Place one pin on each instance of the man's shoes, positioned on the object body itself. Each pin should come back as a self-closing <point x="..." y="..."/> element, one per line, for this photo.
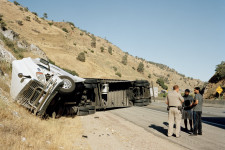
<point x="193" y="134"/>
<point x="199" y="133"/>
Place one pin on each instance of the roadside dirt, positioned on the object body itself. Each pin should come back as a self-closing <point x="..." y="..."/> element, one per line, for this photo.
<point x="106" y="131"/>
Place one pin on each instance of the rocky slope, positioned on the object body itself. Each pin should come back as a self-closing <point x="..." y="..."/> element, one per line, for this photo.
<point x="62" y="42"/>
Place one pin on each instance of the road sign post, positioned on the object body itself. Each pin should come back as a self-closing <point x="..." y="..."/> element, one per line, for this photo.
<point x="219" y="90"/>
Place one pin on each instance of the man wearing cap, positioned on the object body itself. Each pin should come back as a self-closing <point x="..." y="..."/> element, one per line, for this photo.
<point x="197" y="112"/>
<point x="187" y="112"/>
<point x="174" y="101"/>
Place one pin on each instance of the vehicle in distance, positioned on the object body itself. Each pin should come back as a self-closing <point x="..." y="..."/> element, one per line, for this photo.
<point x="47" y="90"/>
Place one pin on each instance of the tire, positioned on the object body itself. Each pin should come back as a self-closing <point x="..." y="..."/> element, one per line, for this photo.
<point x="138" y="101"/>
<point x="69" y="85"/>
<point x="139" y="104"/>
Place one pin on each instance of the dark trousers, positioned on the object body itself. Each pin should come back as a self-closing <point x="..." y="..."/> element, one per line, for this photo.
<point x="197" y="118"/>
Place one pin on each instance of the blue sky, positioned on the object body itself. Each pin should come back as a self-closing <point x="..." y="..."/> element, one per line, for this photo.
<point x="187" y="35"/>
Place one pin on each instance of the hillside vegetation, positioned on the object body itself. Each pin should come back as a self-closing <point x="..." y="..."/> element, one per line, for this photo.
<point x="84" y="53"/>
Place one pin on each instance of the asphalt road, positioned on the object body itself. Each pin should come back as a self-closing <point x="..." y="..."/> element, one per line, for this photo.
<point x="153" y="118"/>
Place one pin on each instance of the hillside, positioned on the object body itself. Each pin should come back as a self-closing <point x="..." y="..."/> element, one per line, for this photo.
<point x="63" y="41"/>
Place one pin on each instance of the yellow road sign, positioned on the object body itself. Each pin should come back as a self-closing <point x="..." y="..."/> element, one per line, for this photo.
<point x="219" y="90"/>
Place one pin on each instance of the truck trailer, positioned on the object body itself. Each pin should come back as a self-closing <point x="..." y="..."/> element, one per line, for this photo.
<point x="47" y="90"/>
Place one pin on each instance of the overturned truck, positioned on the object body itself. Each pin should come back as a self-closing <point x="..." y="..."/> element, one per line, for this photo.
<point x="47" y="90"/>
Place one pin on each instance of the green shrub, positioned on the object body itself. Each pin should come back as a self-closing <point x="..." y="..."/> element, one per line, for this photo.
<point x="93" y="44"/>
<point x="220" y="70"/>
<point x="36" y="19"/>
<point x="118" y="74"/>
<point x="35" y="13"/>
<point x="2" y="23"/>
<point x="20" y="22"/>
<point x="149" y="76"/>
<point x="16" y="3"/>
<point x="21" y="8"/>
<point x="140" y="67"/>
<point x="65" y="30"/>
<point x="74" y="43"/>
<point x="114" y="68"/>
<point x="81" y="34"/>
<point x="133" y="68"/>
<point x="161" y="83"/>
<point x="50" y="23"/>
<point x="81" y="57"/>
<point x="110" y="50"/>
<point x="102" y="49"/>
<point x="124" y="59"/>
<point x="27" y="18"/>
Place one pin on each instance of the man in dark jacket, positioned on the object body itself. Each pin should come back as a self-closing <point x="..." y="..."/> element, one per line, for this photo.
<point x="197" y="112"/>
<point x="187" y="112"/>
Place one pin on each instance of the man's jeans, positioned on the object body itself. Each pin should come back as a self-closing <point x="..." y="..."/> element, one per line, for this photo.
<point x="197" y="117"/>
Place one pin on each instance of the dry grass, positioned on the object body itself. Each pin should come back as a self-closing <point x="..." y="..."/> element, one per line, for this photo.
<point x="25" y="131"/>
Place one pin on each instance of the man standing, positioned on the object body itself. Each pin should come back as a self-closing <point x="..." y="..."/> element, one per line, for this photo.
<point x="197" y="112"/>
<point x="187" y="113"/>
<point x="174" y="101"/>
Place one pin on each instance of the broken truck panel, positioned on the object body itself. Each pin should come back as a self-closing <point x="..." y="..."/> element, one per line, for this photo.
<point x="46" y="89"/>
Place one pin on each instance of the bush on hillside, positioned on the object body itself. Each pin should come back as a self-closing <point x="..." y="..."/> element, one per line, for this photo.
<point x="110" y="50"/>
<point x="140" y="67"/>
<point x="50" y="23"/>
<point x="118" y="74"/>
<point x="27" y="18"/>
<point x="35" y="13"/>
<point x="124" y="59"/>
<point x="149" y="76"/>
<point x="16" y="3"/>
<point x="2" y="23"/>
<point x="65" y="30"/>
<point x="114" y="68"/>
<point x="93" y="44"/>
<point x="81" y="57"/>
<point x="20" y="22"/>
<point x="161" y="83"/>
<point x="102" y="49"/>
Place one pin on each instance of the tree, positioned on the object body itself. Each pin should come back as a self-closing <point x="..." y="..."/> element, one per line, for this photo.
<point x="124" y="59"/>
<point x="140" y="67"/>
<point x="45" y="15"/>
<point x="220" y="69"/>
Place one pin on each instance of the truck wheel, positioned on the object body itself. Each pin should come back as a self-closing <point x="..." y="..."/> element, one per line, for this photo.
<point x="68" y="86"/>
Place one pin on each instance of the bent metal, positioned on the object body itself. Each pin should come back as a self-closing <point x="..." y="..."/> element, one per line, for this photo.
<point x="47" y="90"/>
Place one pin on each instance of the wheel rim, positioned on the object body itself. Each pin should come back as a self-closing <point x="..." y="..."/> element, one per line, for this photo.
<point x="67" y="84"/>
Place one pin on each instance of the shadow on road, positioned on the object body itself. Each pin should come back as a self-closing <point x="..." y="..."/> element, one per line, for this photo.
<point x="159" y="129"/>
<point x="215" y="121"/>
